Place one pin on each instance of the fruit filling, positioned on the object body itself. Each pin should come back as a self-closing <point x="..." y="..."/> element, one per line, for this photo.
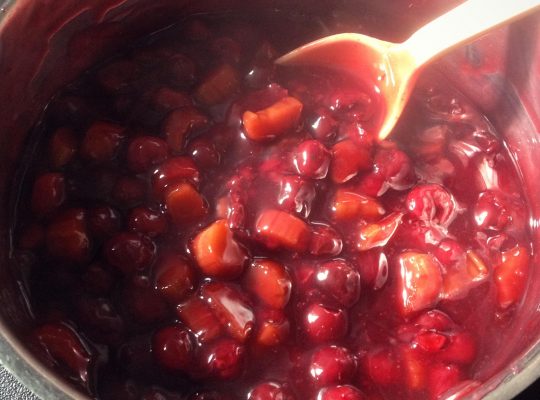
<point x="202" y="224"/>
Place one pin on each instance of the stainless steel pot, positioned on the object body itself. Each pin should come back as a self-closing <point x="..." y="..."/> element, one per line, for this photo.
<point x="45" y="44"/>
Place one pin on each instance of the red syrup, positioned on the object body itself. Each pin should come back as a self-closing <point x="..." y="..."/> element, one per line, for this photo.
<point x="205" y="225"/>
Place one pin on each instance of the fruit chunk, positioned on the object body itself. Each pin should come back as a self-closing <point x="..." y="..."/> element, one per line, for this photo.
<point x="180" y="123"/>
<point x="340" y="392"/>
<point x="101" y="142"/>
<point x="270" y="282"/>
<point x="62" y="147"/>
<point x="419" y="281"/>
<point x="311" y="159"/>
<point x="273" y="327"/>
<point x="217" y="253"/>
<point x="348" y="158"/>
<point x="48" y="193"/>
<point x="173" y="348"/>
<point x="323" y="324"/>
<point x="463" y="276"/>
<point x="175" y="278"/>
<point x="130" y="252"/>
<point x="379" y="233"/>
<point x="231" y="309"/>
<point x="67" y="237"/>
<point x="332" y="365"/>
<point x="217" y="86"/>
<point x="348" y="205"/>
<point x="200" y="320"/>
<point x="432" y="203"/>
<point x="223" y="359"/>
<point x="296" y="194"/>
<point x="340" y="281"/>
<point x="59" y="344"/>
<point x="273" y="121"/>
<point x="145" y="152"/>
<point x="147" y="221"/>
<point x="173" y="171"/>
<point x="280" y="229"/>
<point x="185" y="203"/>
<point x="511" y="275"/>
<point x="270" y="391"/>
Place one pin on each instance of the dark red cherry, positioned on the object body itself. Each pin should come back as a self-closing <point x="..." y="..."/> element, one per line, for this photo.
<point x="332" y="365"/>
<point x="130" y="252"/>
<point x="324" y="324"/>
<point x="145" y="152"/>
<point x="340" y="280"/>
<point x="48" y="194"/>
<point x="173" y="348"/>
<point x="223" y="359"/>
<point x="147" y="221"/>
<point x="271" y="391"/>
<point x="312" y="159"/>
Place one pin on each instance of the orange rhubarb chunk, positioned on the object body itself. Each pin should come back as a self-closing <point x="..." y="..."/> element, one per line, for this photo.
<point x="199" y="318"/>
<point x="185" y="204"/>
<point x="347" y="205"/>
<point x="270" y="282"/>
<point x="419" y="281"/>
<point x="280" y="229"/>
<point x="217" y="86"/>
<point x="464" y="276"/>
<point x="217" y="253"/>
<point x="272" y="121"/>
<point x="379" y="233"/>
<point x="511" y="275"/>
<point x="348" y="158"/>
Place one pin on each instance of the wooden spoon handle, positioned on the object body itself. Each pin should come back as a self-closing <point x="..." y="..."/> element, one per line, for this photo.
<point x="463" y="23"/>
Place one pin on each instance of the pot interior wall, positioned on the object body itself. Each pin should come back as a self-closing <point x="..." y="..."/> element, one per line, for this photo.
<point x="44" y="47"/>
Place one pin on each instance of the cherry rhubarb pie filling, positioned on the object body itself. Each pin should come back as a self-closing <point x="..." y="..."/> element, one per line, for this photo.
<point x="201" y="224"/>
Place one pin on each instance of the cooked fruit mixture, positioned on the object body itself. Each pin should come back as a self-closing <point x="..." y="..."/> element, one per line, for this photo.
<point x="200" y="224"/>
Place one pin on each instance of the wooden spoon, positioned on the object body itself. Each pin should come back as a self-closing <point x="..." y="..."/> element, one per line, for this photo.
<point x="393" y="67"/>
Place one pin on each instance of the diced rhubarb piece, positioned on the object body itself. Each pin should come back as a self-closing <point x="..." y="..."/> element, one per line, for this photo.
<point x="172" y="171"/>
<point x="378" y="234"/>
<point x="419" y="282"/>
<point x="511" y="275"/>
<point x="273" y="327"/>
<point x="102" y="141"/>
<point x="200" y="319"/>
<point x="349" y="158"/>
<point x="217" y="253"/>
<point x="231" y="309"/>
<point x="180" y="123"/>
<point x="414" y="368"/>
<point x="59" y="345"/>
<point x="460" y="277"/>
<point x="280" y="229"/>
<point x="175" y="278"/>
<point x="348" y="205"/>
<point x="62" y="147"/>
<point x="273" y="121"/>
<point x="270" y="282"/>
<point x="431" y="341"/>
<point x="217" y="86"/>
<point x="185" y="203"/>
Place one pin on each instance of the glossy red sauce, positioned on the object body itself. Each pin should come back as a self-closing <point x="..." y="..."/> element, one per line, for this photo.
<point x="201" y="224"/>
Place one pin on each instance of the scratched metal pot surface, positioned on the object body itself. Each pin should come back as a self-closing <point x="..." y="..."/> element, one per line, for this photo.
<point x="37" y="56"/>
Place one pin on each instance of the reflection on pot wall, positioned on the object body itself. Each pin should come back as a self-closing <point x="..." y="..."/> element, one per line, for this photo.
<point x="43" y="46"/>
